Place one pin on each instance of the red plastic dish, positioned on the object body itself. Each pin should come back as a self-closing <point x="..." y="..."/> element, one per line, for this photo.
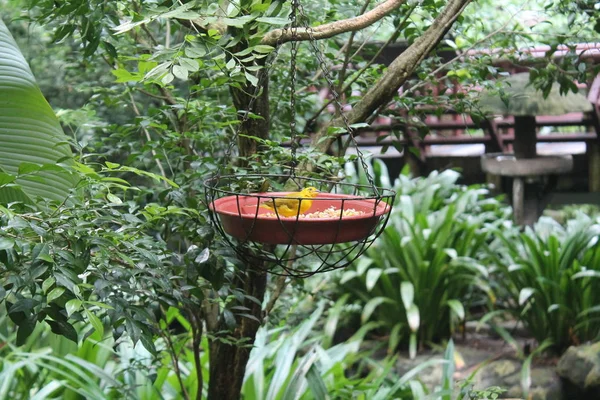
<point x="242" y="218"/>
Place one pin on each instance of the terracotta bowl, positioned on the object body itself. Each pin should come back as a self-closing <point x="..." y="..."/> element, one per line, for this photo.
<point x="242" y="217"/>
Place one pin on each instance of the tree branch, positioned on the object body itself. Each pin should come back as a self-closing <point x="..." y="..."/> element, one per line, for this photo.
<point x="359" y="73"/>
<point x="342" y="75"/>
<point x="149" y="139"/>
<point x="398" y="71"/>
<point x="280" y="36"/>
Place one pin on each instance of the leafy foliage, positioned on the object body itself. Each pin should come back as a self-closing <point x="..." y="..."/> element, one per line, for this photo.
<point x="418" y="278"/>
<point x="33" y="142"/>
<point x="548" y="276"/>
<point x="98" y="258"/>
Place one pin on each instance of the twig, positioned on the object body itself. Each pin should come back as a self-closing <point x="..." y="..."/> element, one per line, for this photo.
<point x="168" y="34"/>
<point x="443" y="66"/>
<point x="196" y="347"/>
<point x="342" y="76"/>
<point x="280" y="284"/>
<point x="175" y="360"/>
<point x="359" y="73"/>
<point x="149" y="138"/>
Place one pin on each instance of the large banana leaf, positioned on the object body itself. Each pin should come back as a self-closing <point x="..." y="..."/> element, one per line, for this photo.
<point x="32" y="142"/>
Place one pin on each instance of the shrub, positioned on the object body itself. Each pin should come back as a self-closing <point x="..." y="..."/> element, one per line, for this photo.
<point x="549" y="277"/>
<point x="416" y="277"/>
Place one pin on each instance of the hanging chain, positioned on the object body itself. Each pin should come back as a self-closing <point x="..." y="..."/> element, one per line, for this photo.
<point x="296" y="9"/>
<point x="335" y="94"/>
<point x="293" y="76"/>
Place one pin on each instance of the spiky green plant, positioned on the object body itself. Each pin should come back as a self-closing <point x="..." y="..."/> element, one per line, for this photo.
<point x="549" y="276"/>
<point x="415" y="279"/>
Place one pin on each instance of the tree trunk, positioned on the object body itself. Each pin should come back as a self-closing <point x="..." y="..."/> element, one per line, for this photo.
<point x="259" y="127"/>
<point x="228" y="361"/>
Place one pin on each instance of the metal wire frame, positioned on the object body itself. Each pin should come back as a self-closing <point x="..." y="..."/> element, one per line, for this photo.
<point x="293" y="258"/>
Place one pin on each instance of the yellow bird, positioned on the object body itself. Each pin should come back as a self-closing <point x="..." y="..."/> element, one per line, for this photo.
<point x="293" y="203"/>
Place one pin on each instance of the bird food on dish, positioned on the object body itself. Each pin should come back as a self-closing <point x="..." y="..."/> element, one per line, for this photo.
<point x="330" y="212"/>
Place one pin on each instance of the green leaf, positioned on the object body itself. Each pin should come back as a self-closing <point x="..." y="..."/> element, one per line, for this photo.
<point x="6" y="243"/>
<point x="180" y="72"/>
<point x="113" y="199"/>
<point x="26" y="327"/>
<point x="22" y="305"/>
<point x="273" y="20"/>
<point x="189" y="64"/>
<point x="458" y="308"/>
<point x="262" y="48"/>
<point x="96" y="323"/>
<point x="525" y="294"/>
<point x="72" y="306"/>
<point x="112" y="165"/>
<point x="48" y="283"/>
<point x="63" y="328"/>
<point x="29" y="130"/>
<point x="413" y="317"/>
<point x="5" y="179"/>
<point x="316" y="384"/>
<point x="370" y="307"/>
<point x="372" y="277"/>
<point x="251" y="78"/>
<point x="412" y="345"/>
<point x="55" y="294"/>
<point x="237" y="22"/>
<point x="407" y="292"/>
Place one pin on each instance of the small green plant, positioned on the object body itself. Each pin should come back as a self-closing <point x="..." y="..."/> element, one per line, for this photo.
<point x="548" y="278"/>
<point x="568" y="212"/>
<point x="416" y="278"/>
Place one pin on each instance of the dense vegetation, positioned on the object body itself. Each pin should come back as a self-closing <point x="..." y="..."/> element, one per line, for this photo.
<point x="115" y="284"/>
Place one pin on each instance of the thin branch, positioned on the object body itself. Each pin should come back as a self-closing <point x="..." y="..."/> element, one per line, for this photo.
<point x="458" y="57"/>
<point x="325" y="31"/>
<point x="359" y="73"/>
<point x="155" y="96"/>
<point x="175" y="360"/>
<point x="397" y="73"/>
<point x="342" y="76"/>
<point x="150" y="36"/>
<point x="196" y="347"/>
<point x="280" y="286"/>
<point x="149" y="138"/>
<point x="168" y="34"/>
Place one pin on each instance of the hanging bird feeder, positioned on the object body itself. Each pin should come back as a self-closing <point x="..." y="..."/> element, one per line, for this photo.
<point x="331" y="218"/>
<point x="305" y="231"/>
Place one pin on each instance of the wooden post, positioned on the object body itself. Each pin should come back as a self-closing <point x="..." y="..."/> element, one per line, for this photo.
<point x="518" y="197"/>
<point x="525" y="137"/>
<point x="593" y="152"/>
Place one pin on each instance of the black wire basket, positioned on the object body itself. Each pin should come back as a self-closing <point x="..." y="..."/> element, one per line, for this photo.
<point x="328" y="231"/>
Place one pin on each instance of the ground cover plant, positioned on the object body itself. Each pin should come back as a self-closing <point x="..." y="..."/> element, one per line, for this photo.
<point x="422" y="275"/>
<point x="548" y="277"/>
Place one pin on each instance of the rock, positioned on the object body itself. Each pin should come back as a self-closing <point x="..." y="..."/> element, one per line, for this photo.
<point x="507" y="375"/>
<point x="503" y="371"/>
<point x="580" y="365"/>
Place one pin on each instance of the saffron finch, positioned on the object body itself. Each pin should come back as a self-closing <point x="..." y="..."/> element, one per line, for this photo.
<point x="293" y="203"/>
